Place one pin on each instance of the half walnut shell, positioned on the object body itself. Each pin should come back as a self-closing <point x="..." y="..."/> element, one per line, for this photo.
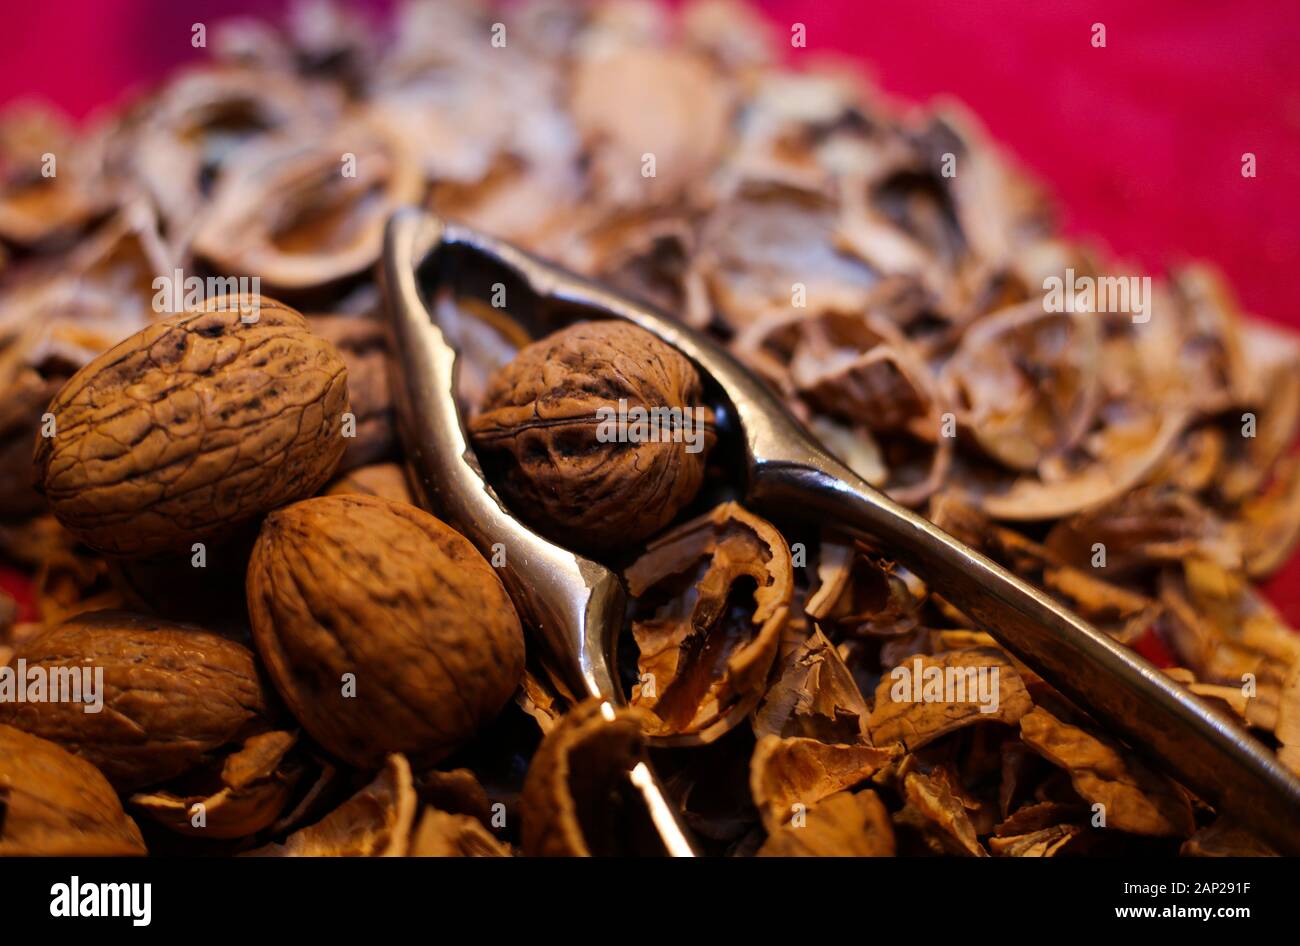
<point x="302" y="214"/>
<point x="713" y="596"/>
<point x="199" y="122"/>
<point x="375" y="822"/>
<point x="578" y="799"/>
<point x="49" y="177"/>
<point x="245" y="795"/>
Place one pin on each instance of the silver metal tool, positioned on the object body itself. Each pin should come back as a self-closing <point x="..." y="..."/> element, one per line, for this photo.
<point x="575" y="605"/>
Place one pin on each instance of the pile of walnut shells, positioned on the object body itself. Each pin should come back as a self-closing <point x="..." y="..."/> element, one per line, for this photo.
<point x="296" y="660"/>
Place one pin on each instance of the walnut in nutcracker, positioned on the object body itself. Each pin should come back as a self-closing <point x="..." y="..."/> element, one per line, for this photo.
<point x="384" y="630"/>
<point x="596" y="434"/>
<point x="192" y="426"/>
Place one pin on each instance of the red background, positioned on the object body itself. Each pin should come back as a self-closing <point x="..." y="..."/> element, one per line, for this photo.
<point x="1141" y="141"/>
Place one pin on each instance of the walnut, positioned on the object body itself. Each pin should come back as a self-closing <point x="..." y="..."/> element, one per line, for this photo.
<point x="551" y="439"/>
<point x="53" y="803"/>
<point x="195" y="424"/>
<point x="362" y="344"/>
<point x="384" y="630"/>
<point x="172" y="695"/>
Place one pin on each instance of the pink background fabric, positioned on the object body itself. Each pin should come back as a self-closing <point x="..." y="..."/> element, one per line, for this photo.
<point x="1141" y="142"/>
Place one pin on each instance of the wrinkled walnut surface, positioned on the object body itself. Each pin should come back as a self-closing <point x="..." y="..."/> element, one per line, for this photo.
<point x="192" y="425"/>
<point x="539" y="427"/>
<point x="355" y="584"/>
<point x="172" y="694"/>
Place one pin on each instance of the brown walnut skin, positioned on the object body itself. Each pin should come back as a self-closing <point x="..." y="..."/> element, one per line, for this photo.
<point x="53" y="804"/>
<point x="537" y="435"/>
<point x="191" y="426"/>
<point x="355" y="584"/>
<point x="362" y="343"/>
<point x="172" y="694"/>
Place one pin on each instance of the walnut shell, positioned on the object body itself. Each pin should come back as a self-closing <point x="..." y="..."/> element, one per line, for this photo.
<point x="282" y="209"/>
<point x="375" y="822"/>
<point x="578" y="799"/>
<point x="539" y="435"/>
<point x="354" y="591"/>
<point x="195" y="424"/>
<point x="55" y="804"/>
<point x="440" y="834"/>
<point x="172" y="693"/>
<point x="243" y="795"/>
<point x="705" y="655"/>
<point x="843" y="825"/>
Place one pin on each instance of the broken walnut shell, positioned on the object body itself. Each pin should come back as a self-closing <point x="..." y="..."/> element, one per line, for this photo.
<point x="713" y="596"/>
<point x="306" y="211"/>
<point x="443" y="834"/>
<point x="842" y="825"/>
<point x="578" y="800"/>
<point x="375" y="822"/>
<point x="245" y="794"/>
<point x="1135" y="798"/>
<point x="787" y="775"/>
<point x="56" y="804"/>
<point x="927" y="697"/>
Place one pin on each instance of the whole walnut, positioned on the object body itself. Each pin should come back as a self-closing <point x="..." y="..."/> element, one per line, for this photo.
<point x="171" y="695"/>
<point x="54" y="804"/>
<point x="384" y="630"/>
<point x="552" y="439"/>
<point x="193" y="425"/>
